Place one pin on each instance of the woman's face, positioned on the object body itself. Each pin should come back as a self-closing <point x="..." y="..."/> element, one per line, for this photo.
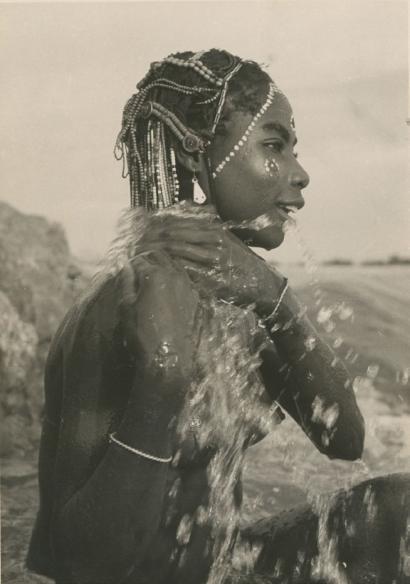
<point x="264" y="176"/>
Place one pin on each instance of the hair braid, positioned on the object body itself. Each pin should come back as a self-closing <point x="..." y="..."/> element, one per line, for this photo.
<point x="178" y="101"/>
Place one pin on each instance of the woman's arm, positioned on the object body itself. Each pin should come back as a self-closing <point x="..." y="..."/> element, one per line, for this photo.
<point x="108" y="500"/>
<point x="103" y="530"/>
<point x="318" y="391"/>
<point x="106" y="526"/>
<point x="304" y="375"/>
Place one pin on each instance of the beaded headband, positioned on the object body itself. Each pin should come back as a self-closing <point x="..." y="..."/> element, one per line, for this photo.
<point x="273" y="89"/>
<point x="150" y="159"/>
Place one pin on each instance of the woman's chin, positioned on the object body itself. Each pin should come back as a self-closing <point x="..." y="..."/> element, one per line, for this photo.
<point x="267" y="238"/>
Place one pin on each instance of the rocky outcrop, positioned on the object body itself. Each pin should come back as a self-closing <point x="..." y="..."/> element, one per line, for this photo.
<point x="38" y="282"/>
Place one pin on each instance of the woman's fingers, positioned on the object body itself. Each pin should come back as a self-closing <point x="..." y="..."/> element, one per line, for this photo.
<point x="200" y="253"/>
<point x="204" y="279"/>
<point x="207" y="244"/>
<point x="155" y="255"/>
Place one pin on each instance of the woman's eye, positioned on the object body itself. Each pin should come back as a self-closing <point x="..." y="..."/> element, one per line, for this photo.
<point x="276" y="146"/>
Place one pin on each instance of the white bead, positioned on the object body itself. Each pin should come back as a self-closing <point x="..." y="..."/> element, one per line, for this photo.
<point x="236" y="147"/>
<point x="240" y="142"/>
<point x="231" y="153"/>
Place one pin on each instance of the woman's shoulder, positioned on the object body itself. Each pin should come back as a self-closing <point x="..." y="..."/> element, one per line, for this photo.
<point x="94" y="313"/>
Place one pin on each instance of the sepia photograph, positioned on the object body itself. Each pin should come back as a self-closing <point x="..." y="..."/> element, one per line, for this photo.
<point x="205" y="292"/>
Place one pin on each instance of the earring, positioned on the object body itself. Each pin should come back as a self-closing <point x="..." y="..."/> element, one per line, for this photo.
<point x="199" y="197"/>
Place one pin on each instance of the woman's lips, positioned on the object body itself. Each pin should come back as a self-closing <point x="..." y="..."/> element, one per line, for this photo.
<point x="285" y="211"/>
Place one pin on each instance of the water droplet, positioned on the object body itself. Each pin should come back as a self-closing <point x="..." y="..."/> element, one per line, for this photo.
<point x="165" y="357"/>
<point x="183" y="558"/>
<point x="349" y="354"/>
<point x="195" y="423"/>
<point x="184" y="530"/>
<point x="201" y="515"/>
<point x="372" y="371"/>
<point x="361" y="383"/>
<point x="324" y="314"/>
<point x="404" y="377"/>
<point x="176" y="458"/>
<point x="325" y="439"/>
<point x="344" y="312"/>
<point x="310" y="343"/>
<point x="289" y="225"/>
<point x="369" y="501"/>
<point x="175" y="488"/>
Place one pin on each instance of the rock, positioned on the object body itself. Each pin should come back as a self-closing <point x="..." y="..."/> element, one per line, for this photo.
<point x="39" y="280"/>
<point x="18" y="345"/>
<point x="36" y="269"/>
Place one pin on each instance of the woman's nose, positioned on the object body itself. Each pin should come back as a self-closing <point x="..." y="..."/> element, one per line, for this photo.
<point x="298" y="176"/>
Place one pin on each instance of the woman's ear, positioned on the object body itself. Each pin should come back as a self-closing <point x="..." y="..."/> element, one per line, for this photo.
<point x="189" y="160"/>
<point x="195" y="164"/>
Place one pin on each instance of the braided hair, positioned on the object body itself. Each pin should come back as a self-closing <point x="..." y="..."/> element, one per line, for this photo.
<point x="185" y="98"/>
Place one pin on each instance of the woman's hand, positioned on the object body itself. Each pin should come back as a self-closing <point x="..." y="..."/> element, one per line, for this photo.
<point x="216" y="260"/>
<point x="158" y="315"/>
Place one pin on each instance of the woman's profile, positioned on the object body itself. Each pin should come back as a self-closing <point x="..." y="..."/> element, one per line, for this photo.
<point x="189" y="349"/>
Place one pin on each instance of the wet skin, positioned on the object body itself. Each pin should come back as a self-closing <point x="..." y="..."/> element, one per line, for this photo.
<point x="103" y="509"/>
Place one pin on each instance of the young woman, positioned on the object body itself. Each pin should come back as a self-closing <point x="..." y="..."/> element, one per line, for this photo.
<point x="126" y="491"/>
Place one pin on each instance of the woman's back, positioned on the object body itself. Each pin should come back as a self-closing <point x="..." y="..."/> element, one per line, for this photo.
<point x="88" y="380"/>
<point x="85" y="363"/>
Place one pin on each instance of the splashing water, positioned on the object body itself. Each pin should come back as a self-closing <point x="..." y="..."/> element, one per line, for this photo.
<point x="326" y="564"/>
<point x="226" y="400"/>
<point x="303" y="474"/>
<point x="223" y="407"/>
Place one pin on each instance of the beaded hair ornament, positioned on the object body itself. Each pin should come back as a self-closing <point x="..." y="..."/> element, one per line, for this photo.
<point x="145" y="142"/>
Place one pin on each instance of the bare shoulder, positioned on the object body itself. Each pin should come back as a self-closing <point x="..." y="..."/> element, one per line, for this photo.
<point x="86" y="347"/>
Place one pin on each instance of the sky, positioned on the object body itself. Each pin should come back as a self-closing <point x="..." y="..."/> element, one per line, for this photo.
<point x="68" y="68"/>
